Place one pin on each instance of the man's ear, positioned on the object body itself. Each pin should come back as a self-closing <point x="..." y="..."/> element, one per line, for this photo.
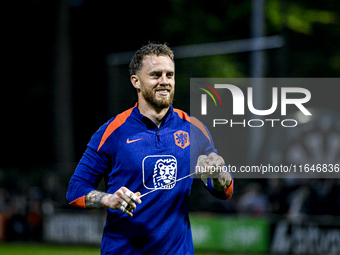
<point x="135" y="81"/>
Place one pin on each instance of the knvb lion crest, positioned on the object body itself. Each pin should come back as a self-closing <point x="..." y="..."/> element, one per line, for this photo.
<point x="159" y="171"/>
<point x="165" y="173"/>
<point x="182" y="139"/>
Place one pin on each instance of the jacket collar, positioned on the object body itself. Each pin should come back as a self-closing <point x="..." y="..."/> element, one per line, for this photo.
<point x="168" y="116"/>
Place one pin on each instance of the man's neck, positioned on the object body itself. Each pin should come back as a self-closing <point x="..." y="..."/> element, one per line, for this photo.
<point x="153" y="113"/>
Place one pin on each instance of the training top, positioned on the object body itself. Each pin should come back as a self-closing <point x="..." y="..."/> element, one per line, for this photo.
<point x="130" y="150"/>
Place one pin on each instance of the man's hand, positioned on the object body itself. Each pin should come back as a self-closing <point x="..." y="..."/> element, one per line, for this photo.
<point x="123" y="199"/>
<point x="212" y="166"/>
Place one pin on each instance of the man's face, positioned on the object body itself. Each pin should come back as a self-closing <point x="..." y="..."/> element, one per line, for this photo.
<point x="157" y="80"/>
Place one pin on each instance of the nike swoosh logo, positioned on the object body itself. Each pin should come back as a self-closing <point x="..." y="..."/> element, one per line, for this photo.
<point x="132" y="141"/>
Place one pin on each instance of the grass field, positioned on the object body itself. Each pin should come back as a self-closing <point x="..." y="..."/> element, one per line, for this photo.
<point x="46" y="249"/>
<point x="52" y="249"/>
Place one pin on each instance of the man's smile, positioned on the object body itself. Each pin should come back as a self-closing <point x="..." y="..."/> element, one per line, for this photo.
<point x="163" y="91"/>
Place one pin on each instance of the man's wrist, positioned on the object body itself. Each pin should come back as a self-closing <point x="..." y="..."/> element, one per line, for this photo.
<point x="96" y="199"/>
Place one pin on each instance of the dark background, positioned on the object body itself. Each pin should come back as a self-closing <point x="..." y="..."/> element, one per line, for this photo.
<point x="56" y="87"/>
<point x="97" y="28"/>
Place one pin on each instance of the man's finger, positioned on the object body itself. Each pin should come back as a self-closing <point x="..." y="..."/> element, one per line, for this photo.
<point x="124" y="204"/>
<point x="133" y="196"/>
<point x="129" y="202"/>
<point x="124" y="210"/>
<point x="123" y="198"/>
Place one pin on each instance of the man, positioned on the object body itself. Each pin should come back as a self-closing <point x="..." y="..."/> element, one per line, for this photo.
<point x="147" y="147"/>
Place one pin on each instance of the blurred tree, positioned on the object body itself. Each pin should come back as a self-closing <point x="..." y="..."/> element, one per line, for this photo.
<point x="311" y="30"/>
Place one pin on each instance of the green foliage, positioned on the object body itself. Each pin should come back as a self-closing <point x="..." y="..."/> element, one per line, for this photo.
<point x="46" y="249"/>
<point x="222" y="66"/>
<point x="194" y="22"/>
<point x="311" y="30"/>
<point x="335" y="61"/>
<point x="50" y="249"/>
<point x="297" y="17"/>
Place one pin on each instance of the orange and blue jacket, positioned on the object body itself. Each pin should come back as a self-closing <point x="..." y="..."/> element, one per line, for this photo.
<point x="132" y="151"/>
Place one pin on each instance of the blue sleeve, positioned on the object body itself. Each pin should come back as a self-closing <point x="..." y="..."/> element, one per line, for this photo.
<point x="89" y="171"/>
<point x="202" y="137"/>
<point x="206" y="146"/>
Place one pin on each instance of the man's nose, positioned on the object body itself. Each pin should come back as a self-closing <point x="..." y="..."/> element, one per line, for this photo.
<point x="164" y="80"/>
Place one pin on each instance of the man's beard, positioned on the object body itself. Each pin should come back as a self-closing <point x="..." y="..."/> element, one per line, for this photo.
<point x="163" y="102"/>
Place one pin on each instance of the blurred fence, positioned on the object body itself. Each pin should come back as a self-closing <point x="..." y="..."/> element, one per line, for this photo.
<point x="273" y="235"/>
<point x="74" y="228"/>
